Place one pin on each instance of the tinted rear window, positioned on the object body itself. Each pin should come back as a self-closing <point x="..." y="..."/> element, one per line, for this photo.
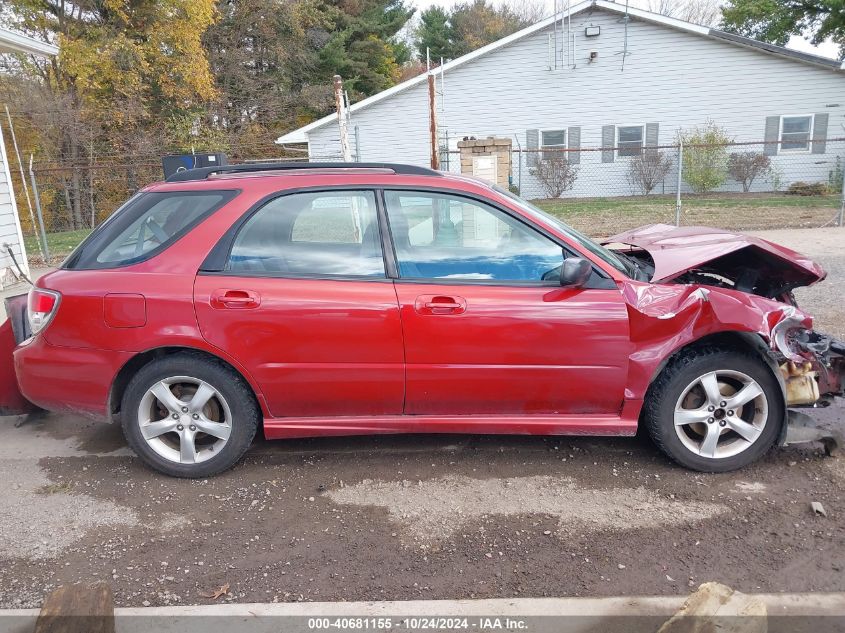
<point x="145" y="226"/>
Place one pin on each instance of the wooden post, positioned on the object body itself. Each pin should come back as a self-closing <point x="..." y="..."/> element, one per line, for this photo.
<point x="432" y="123"/>
<point x="78" y="609"/>
<point x="340" y="105"/>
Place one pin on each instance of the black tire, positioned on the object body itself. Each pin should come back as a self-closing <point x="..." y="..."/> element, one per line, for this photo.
<point x="659" y="407"/>
<point x="238" y="396"/>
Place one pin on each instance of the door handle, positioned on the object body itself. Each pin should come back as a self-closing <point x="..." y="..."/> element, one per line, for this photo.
<point x="440" y="304"/>
<point x="235" y="299"/>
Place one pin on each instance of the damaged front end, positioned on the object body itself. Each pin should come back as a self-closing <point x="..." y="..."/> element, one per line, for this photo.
<point x="814" y="374"/>
<point x="706" y="281"/>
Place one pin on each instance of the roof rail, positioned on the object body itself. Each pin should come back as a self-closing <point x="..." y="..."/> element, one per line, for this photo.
<point x="201" y="173"/>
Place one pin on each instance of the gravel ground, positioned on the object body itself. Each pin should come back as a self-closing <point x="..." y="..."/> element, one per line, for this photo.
<point x="415" y="517"/>
<point x="825" y="300"/>
<point x="421" y="517"/>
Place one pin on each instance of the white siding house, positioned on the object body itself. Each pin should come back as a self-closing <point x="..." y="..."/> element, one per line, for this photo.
<point x="675" y="75"/>
<point x="10" y="226"/>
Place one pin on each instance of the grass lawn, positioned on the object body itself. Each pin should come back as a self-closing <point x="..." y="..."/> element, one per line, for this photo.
<point x="606" y="216"/>
<point x="60" y="244"/>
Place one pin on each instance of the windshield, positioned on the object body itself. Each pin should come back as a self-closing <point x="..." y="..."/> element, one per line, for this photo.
<point x="604" y="254"/>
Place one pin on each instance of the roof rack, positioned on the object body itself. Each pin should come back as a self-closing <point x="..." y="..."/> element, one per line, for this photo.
<point x="201" y="173"/>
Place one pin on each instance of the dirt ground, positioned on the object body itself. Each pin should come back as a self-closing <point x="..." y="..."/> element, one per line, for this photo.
<point x="409" y="518"/>
<point x="420" y="517"/>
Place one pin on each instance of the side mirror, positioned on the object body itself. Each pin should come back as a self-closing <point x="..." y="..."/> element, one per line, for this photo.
<point x="575" y="272"/>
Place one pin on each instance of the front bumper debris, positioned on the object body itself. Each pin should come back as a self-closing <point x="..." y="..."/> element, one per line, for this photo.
<point x="819" y="375"/>
<point x="801" y="428"/>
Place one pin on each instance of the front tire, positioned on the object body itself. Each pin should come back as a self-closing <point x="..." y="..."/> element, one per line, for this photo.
<point x="714" y="410"/>
<point x="186" y="415"/>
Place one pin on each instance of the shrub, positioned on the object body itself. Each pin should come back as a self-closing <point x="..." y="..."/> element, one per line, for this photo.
<point x="835" y="177"/>
<point x="801" y="188"/>
<point x="775" y="176"/>
<point x="744" y="167"/>
<point x="648" y="170"/>
<point x="556" y="175"/>
<point x="705" y="157"/>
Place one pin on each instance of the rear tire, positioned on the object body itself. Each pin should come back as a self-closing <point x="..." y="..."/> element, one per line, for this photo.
<point x="714" y="410"/>
<point x="186" y="415"/>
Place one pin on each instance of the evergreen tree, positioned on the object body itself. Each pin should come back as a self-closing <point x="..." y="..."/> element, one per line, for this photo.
<point x="434" y="35"/>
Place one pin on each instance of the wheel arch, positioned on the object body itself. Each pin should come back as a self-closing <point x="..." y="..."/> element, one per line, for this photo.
<point x="731" y="340"/>
<point x="141" y="359"/>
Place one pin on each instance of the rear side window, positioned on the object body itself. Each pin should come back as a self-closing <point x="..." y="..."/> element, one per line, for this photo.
<point x="324" y="234"/>
<point x="145" y="226"/>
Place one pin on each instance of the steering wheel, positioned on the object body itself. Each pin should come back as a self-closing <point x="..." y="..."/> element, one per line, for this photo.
<point x="158" y="234"/>
<point x="552" y="275"/>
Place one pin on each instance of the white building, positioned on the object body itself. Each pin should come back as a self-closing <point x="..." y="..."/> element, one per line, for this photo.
<point x="608" y="76"/>
<point x="10" y="225"/>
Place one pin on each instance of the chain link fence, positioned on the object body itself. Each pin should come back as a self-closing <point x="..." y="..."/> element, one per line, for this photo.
<point x="598" y="190"/>
<point x="739" y="185"/>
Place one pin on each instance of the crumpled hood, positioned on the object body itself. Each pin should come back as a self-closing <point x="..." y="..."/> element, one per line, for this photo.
<point x="676" y="250"/>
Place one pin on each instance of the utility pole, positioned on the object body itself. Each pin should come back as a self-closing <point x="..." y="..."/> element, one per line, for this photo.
<point x="342" y="120"/>
<point x="432" y="113"/>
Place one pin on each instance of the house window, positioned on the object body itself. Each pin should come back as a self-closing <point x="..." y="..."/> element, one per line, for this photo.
<point x="554" y="140"/>
<point x="795" y="133"/>
<point x="630" y="140"/>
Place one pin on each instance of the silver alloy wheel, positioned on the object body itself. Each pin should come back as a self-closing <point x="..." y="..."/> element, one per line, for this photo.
<point x="721" y="414"/>
<point x="184" y="419"/>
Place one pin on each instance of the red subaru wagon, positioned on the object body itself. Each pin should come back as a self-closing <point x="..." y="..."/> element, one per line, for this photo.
<point x="338" y="299"/>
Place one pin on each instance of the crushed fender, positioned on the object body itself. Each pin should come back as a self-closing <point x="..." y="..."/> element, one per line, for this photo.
<point x="665" y="317"/>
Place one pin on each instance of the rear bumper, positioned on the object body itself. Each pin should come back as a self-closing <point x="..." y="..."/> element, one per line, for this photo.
<point x="12" y="401"/>
<point x="69" y="379"/>
<point x="35" y="374"/>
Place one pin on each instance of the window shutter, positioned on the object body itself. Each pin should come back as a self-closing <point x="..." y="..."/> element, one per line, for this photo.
<point x="574" y="143"/>
<point x="532" y="144"/>
<point x="608" y="142"/>
<point x="652" y="134"/>
<point x="819" y="133"/>
<point x="772" y="136"/>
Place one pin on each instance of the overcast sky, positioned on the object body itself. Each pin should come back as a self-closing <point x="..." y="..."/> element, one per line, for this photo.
<point x="827" y="49"/>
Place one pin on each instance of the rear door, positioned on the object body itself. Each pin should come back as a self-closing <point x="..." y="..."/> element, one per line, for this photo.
<point x="488" y="329"/>
<point x="304" y="303"/>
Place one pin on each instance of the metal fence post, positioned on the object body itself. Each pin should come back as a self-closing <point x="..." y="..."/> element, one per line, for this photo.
<point x="841" y="220"/>
<point x="680" y="173"/>
<point x="37" y="197"/>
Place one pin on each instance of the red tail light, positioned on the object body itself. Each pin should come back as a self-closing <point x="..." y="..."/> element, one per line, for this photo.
<point x="41" y="307"/>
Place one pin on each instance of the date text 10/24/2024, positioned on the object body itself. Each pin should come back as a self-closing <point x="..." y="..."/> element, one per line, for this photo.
<point x="419" y="623"/>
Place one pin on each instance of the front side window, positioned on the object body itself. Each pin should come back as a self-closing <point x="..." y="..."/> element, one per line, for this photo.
<point x="145" y="226"/>
<point x="554" y="140"/>
<point x="795" y="133"/>
<point x="328" y="233"/>
<point x="448" y="237"/>
<point x="582" y="240"/>
<point x="630" y="141"/>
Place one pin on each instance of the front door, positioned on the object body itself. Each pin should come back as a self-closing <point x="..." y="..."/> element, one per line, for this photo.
<point x="487" y="328"/>
<point x="305" y="304"/>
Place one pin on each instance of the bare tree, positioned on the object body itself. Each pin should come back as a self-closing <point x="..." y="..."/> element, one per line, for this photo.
<point x="648" y="170"/>
<point x="704" y="12"/>
<point x="556" y="175"/>
<point x="528" y="11"/>
<point x="744" y="167"/>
